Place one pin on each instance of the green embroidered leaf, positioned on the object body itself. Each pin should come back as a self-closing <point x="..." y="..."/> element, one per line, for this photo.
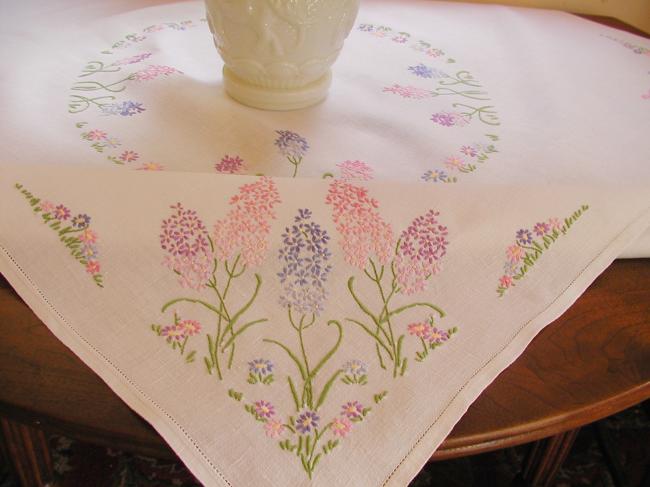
<point x="190" y="357"/>
<point x="237" y="396"/>
<point x="379" y="397"/>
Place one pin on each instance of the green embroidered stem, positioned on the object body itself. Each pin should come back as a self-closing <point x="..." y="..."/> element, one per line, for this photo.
<point x="462" y="77"/>
<point x="79" y="103"/>
<point x="96" y="85"/>
<point x="485" y="114"/>
<point x="374" y="335"/>
<point x="413" y="305"/>
<point x="472" y="94"/>
<point x="191" y="300"/>
<point x="294" y="394"/>
<point x="240" y="331"/>
<point x="94" y="67"/>
<point x="291" y="355"/>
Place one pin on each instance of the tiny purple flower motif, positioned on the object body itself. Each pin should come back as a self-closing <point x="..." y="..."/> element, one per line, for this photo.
<point x="437" y="336"/>
<point x="366" y="27"/>
<point x="307" y="421"/>
<point x="401" y="37"/>
<point x="133" y="59"/>
<point x="447" y="119"/>
<point x="81" y="221"/>
<point x="173" y="333"/>
<point x="264" y="409"/>
<point x="524" y="236"/>
<point x="435" y="175"/>
<point x="61" y="213"/>
<point x="541" y="229"/>
<point x="125" y="109"/>
<point x="355" y="367"/>
<point x="352" y="409"/>
<point x="421" y="70"/>
<point x="468" y="151"/>
<point x="290" y="144"/>
<point x="260" y="366"/>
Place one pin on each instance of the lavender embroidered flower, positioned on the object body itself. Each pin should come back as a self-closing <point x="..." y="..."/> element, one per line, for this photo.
<point x="81" y="221"/>
<point x="421" y="70"/>
<point x="291" y="144"/>
<point x="260" y="366"/>
<point x="524" y="237"/>
<point x="125" y="109"/>
<point x="435" y="175"/>
<point x="61" y="213"/>
<point x="133" y="59"/>
<point x="437" y="336"/>
<point x="307" y="421"/>
<point x="305" y="257"/>
<point x="541" y="229"/>
<point x="352" y="410"/>
<point x="356" y="372"/>
<point x="448" y="119"/>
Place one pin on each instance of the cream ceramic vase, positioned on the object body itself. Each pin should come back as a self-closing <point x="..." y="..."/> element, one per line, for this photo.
<point x="278" y="53"/>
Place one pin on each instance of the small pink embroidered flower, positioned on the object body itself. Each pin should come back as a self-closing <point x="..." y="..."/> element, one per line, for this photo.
<point x="246" y="228"/>
<point x="554" y="223"/>
<point x="193" y="271"/>
<point x="355" y="170"/>
<point x="352" y="409"/>
<point x="47" y="206"/>
<point x="421" y="330"/>
<point x="95" y="135"/>
<point x="151" y="166"/>
<point x="273" y="428"/>
<point x="541" y="229"/>
<point x="341" y="427"/>
<point x="363" y="231"/>
<point x="61" y="213"/>
<point x="505" y="281"/>
<point x="153" y="71"/>
<point x="514" y="253"/>
<point x="453" y="162"/>
<point x="229" y="165"/>
<point x="408" y="91"/>
<point x="468" y="151"/>
<point x="173" y="333"/>
<point x="129" y="156"/>
<point x="434" y="52"/>
<point x="190" y="327"/>
<point x="264" y="409"/>
<point x="88" y="236"/>
<point x="92" y="267"/>
<point x="154" y="28"/>
<point x="438" y="336"/>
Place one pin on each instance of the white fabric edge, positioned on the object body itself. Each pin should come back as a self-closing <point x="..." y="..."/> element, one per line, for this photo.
<point x="415" y="459"/>
<point x="107" y="371"/>
<point x="411" y="465"/>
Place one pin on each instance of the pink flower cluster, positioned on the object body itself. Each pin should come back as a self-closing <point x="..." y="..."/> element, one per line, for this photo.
<point x="421" y="246"/>
<point x="185" y="238"/>
<point x="181" y="330"/>
<point x="363" y="230"/>
<point x="408" y="91"/>
<point x="246" y="228"/>
<point x="355" y="170"/>
<point x="153" y="71"/>
<point x="450" y="119"/>
<point x="229" y="165"/>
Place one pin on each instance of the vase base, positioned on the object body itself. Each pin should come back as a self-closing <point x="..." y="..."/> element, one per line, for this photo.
<point x="275" y="98"/>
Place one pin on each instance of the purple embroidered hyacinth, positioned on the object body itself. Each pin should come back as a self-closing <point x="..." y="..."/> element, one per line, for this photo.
<point x="307" y="421"/>
<point x="305" y="257"/>
<point x="125" y="109"/>
<point x="422" y="245"/>
<point x="185" y="238"/>
<point x="291" y="144"/>
<point x="183" y="233"/>
<point x="524" y="237"/>
<point x="421" y="70"/>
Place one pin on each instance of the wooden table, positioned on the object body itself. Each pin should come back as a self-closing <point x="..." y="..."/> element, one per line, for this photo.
<point x="590" y="363"/>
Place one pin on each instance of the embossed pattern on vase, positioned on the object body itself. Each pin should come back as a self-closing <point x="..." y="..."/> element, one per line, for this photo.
<point x="294" y="41"/>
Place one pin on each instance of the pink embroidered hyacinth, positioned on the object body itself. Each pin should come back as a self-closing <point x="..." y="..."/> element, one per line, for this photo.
<point x="355" y="170"/>
<point x="363" y="231"/>
<point x="185" y="238"/>
<point x="421" y="247"/>
<point x="153" y="71"/>
<point x="246" y="228"/>
<point x="408" y="91"/>
<point x="229" y="165"/>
